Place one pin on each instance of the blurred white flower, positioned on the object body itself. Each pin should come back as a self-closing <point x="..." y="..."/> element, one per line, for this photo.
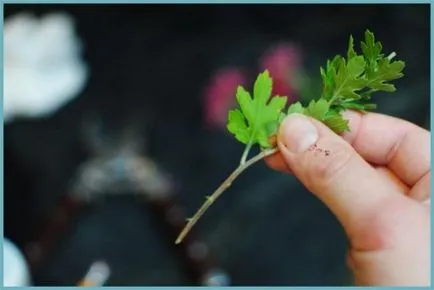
<point x="43" y="69"/>
<point x="15" y="269"/>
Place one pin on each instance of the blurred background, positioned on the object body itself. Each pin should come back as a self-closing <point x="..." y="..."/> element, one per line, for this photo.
<point x="115" y="131"/>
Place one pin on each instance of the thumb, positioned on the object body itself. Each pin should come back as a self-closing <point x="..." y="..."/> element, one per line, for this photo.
<point x="332" y="170"/>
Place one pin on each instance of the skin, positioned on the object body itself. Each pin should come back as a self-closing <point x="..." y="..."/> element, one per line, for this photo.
<point x="376" y="180"/>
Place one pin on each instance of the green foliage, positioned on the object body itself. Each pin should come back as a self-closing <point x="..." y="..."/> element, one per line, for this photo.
<point x="347" y="83"/>
<point x="257" y="116"/>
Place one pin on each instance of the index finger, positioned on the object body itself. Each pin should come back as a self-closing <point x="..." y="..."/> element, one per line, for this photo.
<point x="383" y="140"/>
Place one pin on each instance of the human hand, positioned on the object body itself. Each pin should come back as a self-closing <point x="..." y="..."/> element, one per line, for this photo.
<point x="376" y="180"/>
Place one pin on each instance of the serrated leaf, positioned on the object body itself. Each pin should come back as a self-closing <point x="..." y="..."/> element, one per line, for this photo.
<point x="296" y="108"/>
<point x="262" y="88"/>
<point x="262" y="138"/>
<point x="281" y="117"/>
<point x="386" y="72"/>
<point x="358" y="76"/>
<point x="237" y="126"/>
<point x="317" y="109"/>
<point x="380" y="86"/>
<point x="250" y="124"/>
<point x="245" y="101"/>
<point x="337" y="123"/>
<point x="272" y="127"/>
<point x="351" y="53"/>
<point x="348" y="76"/>
<point x="348" y="83"/>
<point x="358" y="106"/>
<point x="355" y="66"/>
<point x="370" y="48"/>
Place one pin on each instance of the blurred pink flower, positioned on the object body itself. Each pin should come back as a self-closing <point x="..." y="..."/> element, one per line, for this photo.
<point x="220" y="96"/>
<point x="283" y="62"/>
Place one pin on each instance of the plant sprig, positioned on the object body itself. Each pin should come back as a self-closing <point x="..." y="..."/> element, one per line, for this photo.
<point x="348" y="83"/>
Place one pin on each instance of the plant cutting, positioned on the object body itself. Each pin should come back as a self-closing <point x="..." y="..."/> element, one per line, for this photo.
<point x="348" y="83"/>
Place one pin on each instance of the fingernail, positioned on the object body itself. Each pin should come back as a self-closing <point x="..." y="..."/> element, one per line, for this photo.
<point x="298" y="133"/>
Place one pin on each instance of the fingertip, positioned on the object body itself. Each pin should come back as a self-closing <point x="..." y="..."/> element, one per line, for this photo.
<point x="297" y="134"/>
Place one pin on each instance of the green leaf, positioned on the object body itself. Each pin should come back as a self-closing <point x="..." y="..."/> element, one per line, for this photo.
<point x="272" y="127"/>
<point x="245" y="102"/>
<point x="238" y="127"/>
<point x="358" y="76"/>
<point x="358" y="106"/>
<point x="379" y="69"/>
<point x="281" y="117"/>
<point x="252" y="124"/>
<point x="296" y="108"/>
<point x="348" y="78"/>
<point x="317" y="109"/>
<point x="355" y="66"/>
<point x="262" y="88"/>
<point x="337" y="123"/>
<point x="347" y="83"/>
<point x="385" y="71"/>
<point x="351" y="53"/>
<point x="370" y="48"/>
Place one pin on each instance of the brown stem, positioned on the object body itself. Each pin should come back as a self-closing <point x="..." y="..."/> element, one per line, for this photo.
<point x="225" y="185"/>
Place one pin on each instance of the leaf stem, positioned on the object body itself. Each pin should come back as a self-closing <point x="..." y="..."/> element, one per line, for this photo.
<point x="333" y="99"/>
<point x="225" y="185"/>
<point x="246" y="153"/>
